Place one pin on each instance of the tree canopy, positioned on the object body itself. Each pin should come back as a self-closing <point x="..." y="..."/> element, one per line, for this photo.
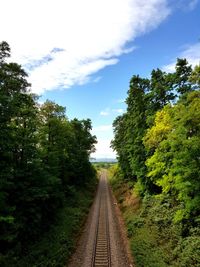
<point x="158" y="138"/>
<point x="42" y="154"/>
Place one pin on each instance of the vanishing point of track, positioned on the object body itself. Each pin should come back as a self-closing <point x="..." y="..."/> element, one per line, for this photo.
<point x="101" y="256"/>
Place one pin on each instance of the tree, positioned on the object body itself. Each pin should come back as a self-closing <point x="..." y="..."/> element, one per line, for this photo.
<point x="174" y="166"/>
<point x="136" y="124"/>
<point x="119" y="144"/>
<point x="161" y="90"/>
<point x="195" y="76"/>
<point x="142" y="125"/>
<point x="51" y="135"/>
<point x="181" y="77"/>
<point x="18" y="118"/>
<point x="83" y="146"/>
<point x="42" y="154"/>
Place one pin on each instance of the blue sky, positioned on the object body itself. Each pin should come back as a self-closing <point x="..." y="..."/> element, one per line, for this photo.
<point x="82" y="53"/>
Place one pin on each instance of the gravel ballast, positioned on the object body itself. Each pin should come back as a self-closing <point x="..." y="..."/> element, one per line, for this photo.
<point x="120" y="253"/>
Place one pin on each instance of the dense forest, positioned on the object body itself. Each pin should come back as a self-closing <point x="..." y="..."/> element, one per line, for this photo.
<point x="44" y="160"/>
<point x="158" y="145"/>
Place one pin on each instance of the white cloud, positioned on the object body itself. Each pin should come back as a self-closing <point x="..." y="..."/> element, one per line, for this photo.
<point x="102" y="128"/>
<point x="191" y="53"/>
<point x="104" y="135"/>
<point x="97" y="79"/>
<point x="108" y="111"/>
<point x="187" y="5"/>
<point x="121" y="101"/>
<point x="119" y="110"/>
<point x="103" y="149"/>
<point x="193" y="4"/>
<point x="105" y="112"/>
<point x="65" y="42"/>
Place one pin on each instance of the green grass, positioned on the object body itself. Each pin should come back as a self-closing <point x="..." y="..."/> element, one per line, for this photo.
<point x="56" y="245"/>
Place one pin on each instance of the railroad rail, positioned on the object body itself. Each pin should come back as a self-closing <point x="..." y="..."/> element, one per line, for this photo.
<point x="101" y="251"/>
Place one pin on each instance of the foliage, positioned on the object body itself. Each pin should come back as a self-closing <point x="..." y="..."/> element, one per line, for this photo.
<point x="154" y="239"/>
<point x="103" y="165"/>
<point x="43" y="155"/>
<point x="158" y="139"/>
<point x="158" y="145"/>
<point x="54" y="248"/>
<point x="195" y="76"/>
<point x="175" y="163"/>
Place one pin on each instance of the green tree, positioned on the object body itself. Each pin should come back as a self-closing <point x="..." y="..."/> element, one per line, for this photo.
<point x="18" y="153"/>
<point x="182" y="74"/>
<point x="83" y="146"/>
<point x="160" y="93"/>
<point x="120" y="143"/>
<point x="137" y="103"/>
<point x="51" y="132"/>
<point x="175" y="163"/>
<point x="195" y="76"/>
<point x="42" y="155"/>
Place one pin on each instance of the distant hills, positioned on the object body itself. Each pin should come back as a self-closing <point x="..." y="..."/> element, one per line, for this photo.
<point x="103" y="160"/>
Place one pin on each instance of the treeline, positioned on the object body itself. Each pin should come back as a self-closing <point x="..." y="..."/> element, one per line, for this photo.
<point x="43" y="156"/>
<point x="158" y="139"/>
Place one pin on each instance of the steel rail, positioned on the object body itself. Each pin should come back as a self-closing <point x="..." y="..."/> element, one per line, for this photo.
<point x="101" y="256"/>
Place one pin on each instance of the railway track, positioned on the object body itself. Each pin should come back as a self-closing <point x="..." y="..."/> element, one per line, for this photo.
<point x="101" y="243"/>
<point x="101" y="251"/>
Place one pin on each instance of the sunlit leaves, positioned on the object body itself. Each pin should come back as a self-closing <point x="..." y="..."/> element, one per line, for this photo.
<point x="175" y="164"/>
<point x="159" y="131"/>
<point x="158" y="138"/>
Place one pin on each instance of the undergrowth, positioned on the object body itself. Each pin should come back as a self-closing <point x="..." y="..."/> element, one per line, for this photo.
<point x="57" y="244"/>
<point x="155" y="239"/>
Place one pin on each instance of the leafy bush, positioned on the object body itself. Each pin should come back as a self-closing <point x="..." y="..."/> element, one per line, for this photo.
<point x="155" y="240"/>
<point x="145" y="248"/>
<point x="56" y="245"/>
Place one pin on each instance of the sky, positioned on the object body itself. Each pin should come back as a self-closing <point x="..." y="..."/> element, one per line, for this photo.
<point x="82" y="53"/>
